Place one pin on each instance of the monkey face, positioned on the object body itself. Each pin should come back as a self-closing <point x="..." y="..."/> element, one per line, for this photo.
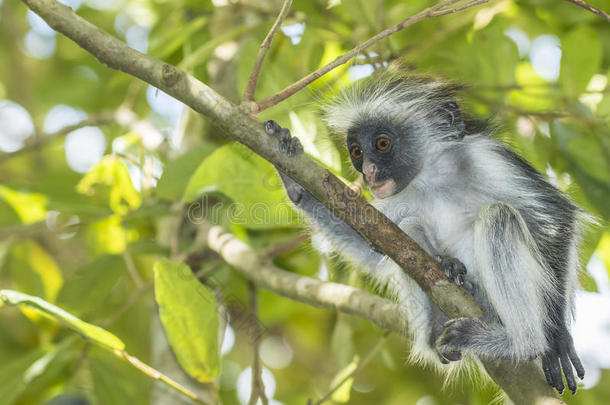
<point x="378" y="151"/>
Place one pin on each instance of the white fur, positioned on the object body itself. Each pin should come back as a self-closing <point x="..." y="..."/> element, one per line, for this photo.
<point x="466" y="189"/>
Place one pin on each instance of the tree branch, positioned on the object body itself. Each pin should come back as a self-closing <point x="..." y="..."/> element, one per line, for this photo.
<point x="338" y="297"/>
<point x="285" y="246"/>
<point x="581" y="3"/>
<point x="256" y="70"/>
<point x="258" y="387"/>
<point x="45" y="139"/>
<point x="361" y="364"/>
<point x="434" y="11"/>
<point x="15" y="298"/>
<point x="378" y="230"/>
<point x="523" y="382"/>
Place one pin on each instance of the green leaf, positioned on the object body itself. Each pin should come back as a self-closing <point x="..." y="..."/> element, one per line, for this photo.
<point x="495" y="58"/>
<point x="590" y="237"/>
<point x="30" y="207"/>
<point x="315" y="140"/>
<point x="177" y="173"/>
<point x="49" y="370"/>
<point x="585" y="149"/>
<point x="204" y="51"/>
<point x="580" y="60"/>
<point x="189" y="315"/>
<point x="247" y="179"/>
<point x="534" y="95"/>
<point x="247" y="55"/>
<point x="5" y="248"/>
<point x="603" y="248"/>
<point x="107" y="236"/>
<point x="12" y="375"/>
<point x="116" y="382"/>
<point x="8" y="216"/>
<point x="111" y="172"/>
<point x="95" y="333"/>
<point x="88" y="287"/>
<point x="34" y="270"/>
<point x="584" y="161"/>
<point x="172" y="41"/>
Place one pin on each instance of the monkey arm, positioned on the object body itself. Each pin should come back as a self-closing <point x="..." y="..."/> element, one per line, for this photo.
<point x="343" y="238"/>
<point x="336" y="232"/>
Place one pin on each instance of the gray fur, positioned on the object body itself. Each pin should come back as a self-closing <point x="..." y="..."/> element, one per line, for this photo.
<point x="469" y="198"/>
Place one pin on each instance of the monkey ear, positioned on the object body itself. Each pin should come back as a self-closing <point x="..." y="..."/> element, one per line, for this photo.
<point x="451" y="119"/>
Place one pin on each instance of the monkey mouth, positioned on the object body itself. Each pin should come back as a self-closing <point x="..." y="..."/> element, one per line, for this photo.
<point x="382" y="189"/>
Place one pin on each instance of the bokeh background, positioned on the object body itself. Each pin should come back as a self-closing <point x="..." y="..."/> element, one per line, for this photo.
<point x="86" y="213"/>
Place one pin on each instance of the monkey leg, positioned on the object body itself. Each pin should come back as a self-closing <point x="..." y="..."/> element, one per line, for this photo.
<point x="516" y="283"/>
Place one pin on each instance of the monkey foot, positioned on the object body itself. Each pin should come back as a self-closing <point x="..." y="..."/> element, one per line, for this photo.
<point x="452" y="339"/>
<point x="562" y="355"/>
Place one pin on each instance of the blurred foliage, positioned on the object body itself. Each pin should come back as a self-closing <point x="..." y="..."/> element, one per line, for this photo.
<point x="87" y="242"/>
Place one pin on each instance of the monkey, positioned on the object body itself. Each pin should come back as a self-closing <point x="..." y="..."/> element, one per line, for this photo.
<point x="493" y="223"/>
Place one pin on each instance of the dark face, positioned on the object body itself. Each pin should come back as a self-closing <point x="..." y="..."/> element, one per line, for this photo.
<point x="384" y="155"/>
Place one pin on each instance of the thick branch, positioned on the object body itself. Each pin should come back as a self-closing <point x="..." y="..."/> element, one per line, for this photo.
<point x="523" y="382"/>
<point x="596" y="11"/>
<point x="435" y="11"/>
<point x="256" y="70"/>
<point x="381" y="233"/>
<point x="338" y="297"/>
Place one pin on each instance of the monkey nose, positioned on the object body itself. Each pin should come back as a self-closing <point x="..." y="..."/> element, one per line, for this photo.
<point x="369" y="170"/>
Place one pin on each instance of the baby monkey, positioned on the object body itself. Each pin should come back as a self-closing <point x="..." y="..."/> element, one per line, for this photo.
<point x="493" y="223"/>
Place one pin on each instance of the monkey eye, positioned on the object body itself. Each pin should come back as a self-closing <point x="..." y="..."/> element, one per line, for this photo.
<point x="356" y="152"/>
<point x="382" y="143"/>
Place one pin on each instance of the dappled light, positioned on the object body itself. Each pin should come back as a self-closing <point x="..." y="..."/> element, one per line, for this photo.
<point x="150" y="253"/>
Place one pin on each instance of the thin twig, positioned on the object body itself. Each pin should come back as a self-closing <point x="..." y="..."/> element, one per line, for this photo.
<point x="132" y="270"/>
<point x="361" y="364"/>
<point x="285" y="246"/>
<point x="157" y="375"/>
<point x="202" y="274"/>
<point x="431" y="12"/>
<point x="596" y="11"/>
<point x="126" y="306"/>
<point x="45" y="139"/>
<point x="256" y="70"/>
<point x="258" y="387"/>
<point x="13" y="298"/>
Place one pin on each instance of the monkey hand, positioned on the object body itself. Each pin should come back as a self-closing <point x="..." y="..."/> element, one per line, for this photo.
<point x="562" y="355"/>
<point x="455" y="271"/>
<point x="291" y="146"/>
